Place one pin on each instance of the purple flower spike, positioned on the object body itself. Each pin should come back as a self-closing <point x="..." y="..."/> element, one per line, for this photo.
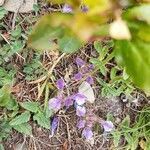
<point x="80" y="111"/>
<point x="60" y="84"/>
<point x="55" y="104"/>
<point x="87" y="133"/>
<point x="107" y="125"/>
<point x="69" y="102"/>
<point x="79" y="98"/>
<point x="78" y="76"/>
<point x="54" y="125"/>
<point x="90" y="80"/>
<point x="81" y="124"/>
<point x="66" y="9"/>
<point x="80" y="62"/>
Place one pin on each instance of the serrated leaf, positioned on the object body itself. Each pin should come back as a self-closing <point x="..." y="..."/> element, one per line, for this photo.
<point x="69" y="44"/>
<point x="5" y="95"/>
<point x="42" y="120"/>
<point x="24" y="128"/>
<point x="24" y="117"/>
<point x="98" y="46"/>
<point x="30" y="106"/>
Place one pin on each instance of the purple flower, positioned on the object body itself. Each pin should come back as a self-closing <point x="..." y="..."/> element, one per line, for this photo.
<point x="69" y="102"/>
<point x="107" y="125"/>
<point x="85" y="70"/>
<point x="79" y="98"/>
<point x="91" y="67"/>
<point x="66" y="9"/>
<point x="60" y="84"/>
<point x="80" y="62"/>
<point x="90" y="80"/>
<point x="81" y="124"/>
<point x="87" y="133"/>
<point x="54" y="125"/>
<point x="55" y="104"/>
<point x="80" y="111"/>
<point x="84" y="8"/>
<point x="78" y="76"/>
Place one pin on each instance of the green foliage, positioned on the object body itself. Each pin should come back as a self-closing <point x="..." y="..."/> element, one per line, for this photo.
<point x="33" y="69"/>
<point x="82" y="27"/>
<point x="134" y="56"/>
<point x="117" y="83"/>
<point x="42" y="120"/>
<point x="134" y="133"/>
<point x="3" y="12"/>
<point x="24" y="128"/>
<point x="30" y="106"/>
<point x="23" y="118"/>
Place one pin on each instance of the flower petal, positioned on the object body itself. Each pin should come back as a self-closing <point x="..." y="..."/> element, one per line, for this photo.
<point x="67" y="8"/>
<point x="80" y="62"/>
<point x="79" y="98"/>
<point x="81" y="124"/>
<point x="69" y="102"/>
<point x="107" y="125"/>
<point x="78" y="76"/>
<point x="87" y="133"/>
<point x="55" y="104"/>
<point x="60" y="84"/>
<point x="80" y="111"/>
<point x="54" y="125"/>
<point x="90" y="80"/>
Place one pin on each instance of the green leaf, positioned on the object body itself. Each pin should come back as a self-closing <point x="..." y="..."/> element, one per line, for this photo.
<point x="24" y="128"/>
<point x="134" y="56"/>
<point x="98" y="46"/>
<point x="1" y="147"/>
<point x="5" y="95"/>
<point x="125" y="124"/>
<point x="42" y="120"/>
<point x="43" y="34"/>
<point x="141" y="12"/>
<point x="30" y="106"/>
<point x="24" y="117"/>
<point x="2" y="12"/>
<point x="69" y="44"/>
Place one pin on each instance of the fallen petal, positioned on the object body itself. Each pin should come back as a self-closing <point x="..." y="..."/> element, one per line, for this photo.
<point x="80" y="111"/>
<point x="69" y="102"/>
<point x="55" y="104"/>
<point x="60" y="84"/>
<point x="81" y="124"/>
<point x="78" y="76"/>
<point x="89" y="80"/>
<point x="54" y="125"/>
<point x="80" y="62"/>
<point x="107" y="125"/>
<point x="87" y="133"/>
<point x="79" y="98"/>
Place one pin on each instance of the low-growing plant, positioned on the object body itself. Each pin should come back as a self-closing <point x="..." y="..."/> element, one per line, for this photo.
<point x="83" y="21"/>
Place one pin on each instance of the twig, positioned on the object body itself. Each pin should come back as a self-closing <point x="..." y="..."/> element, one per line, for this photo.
<point x="49" y="72"/>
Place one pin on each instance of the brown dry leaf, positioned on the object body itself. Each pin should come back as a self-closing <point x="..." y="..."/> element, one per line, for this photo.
<point x="22" y="6"/>
<point x="1" y="2"/>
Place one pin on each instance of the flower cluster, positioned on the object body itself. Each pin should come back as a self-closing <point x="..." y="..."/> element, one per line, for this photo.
<point x="78" y="100"/>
